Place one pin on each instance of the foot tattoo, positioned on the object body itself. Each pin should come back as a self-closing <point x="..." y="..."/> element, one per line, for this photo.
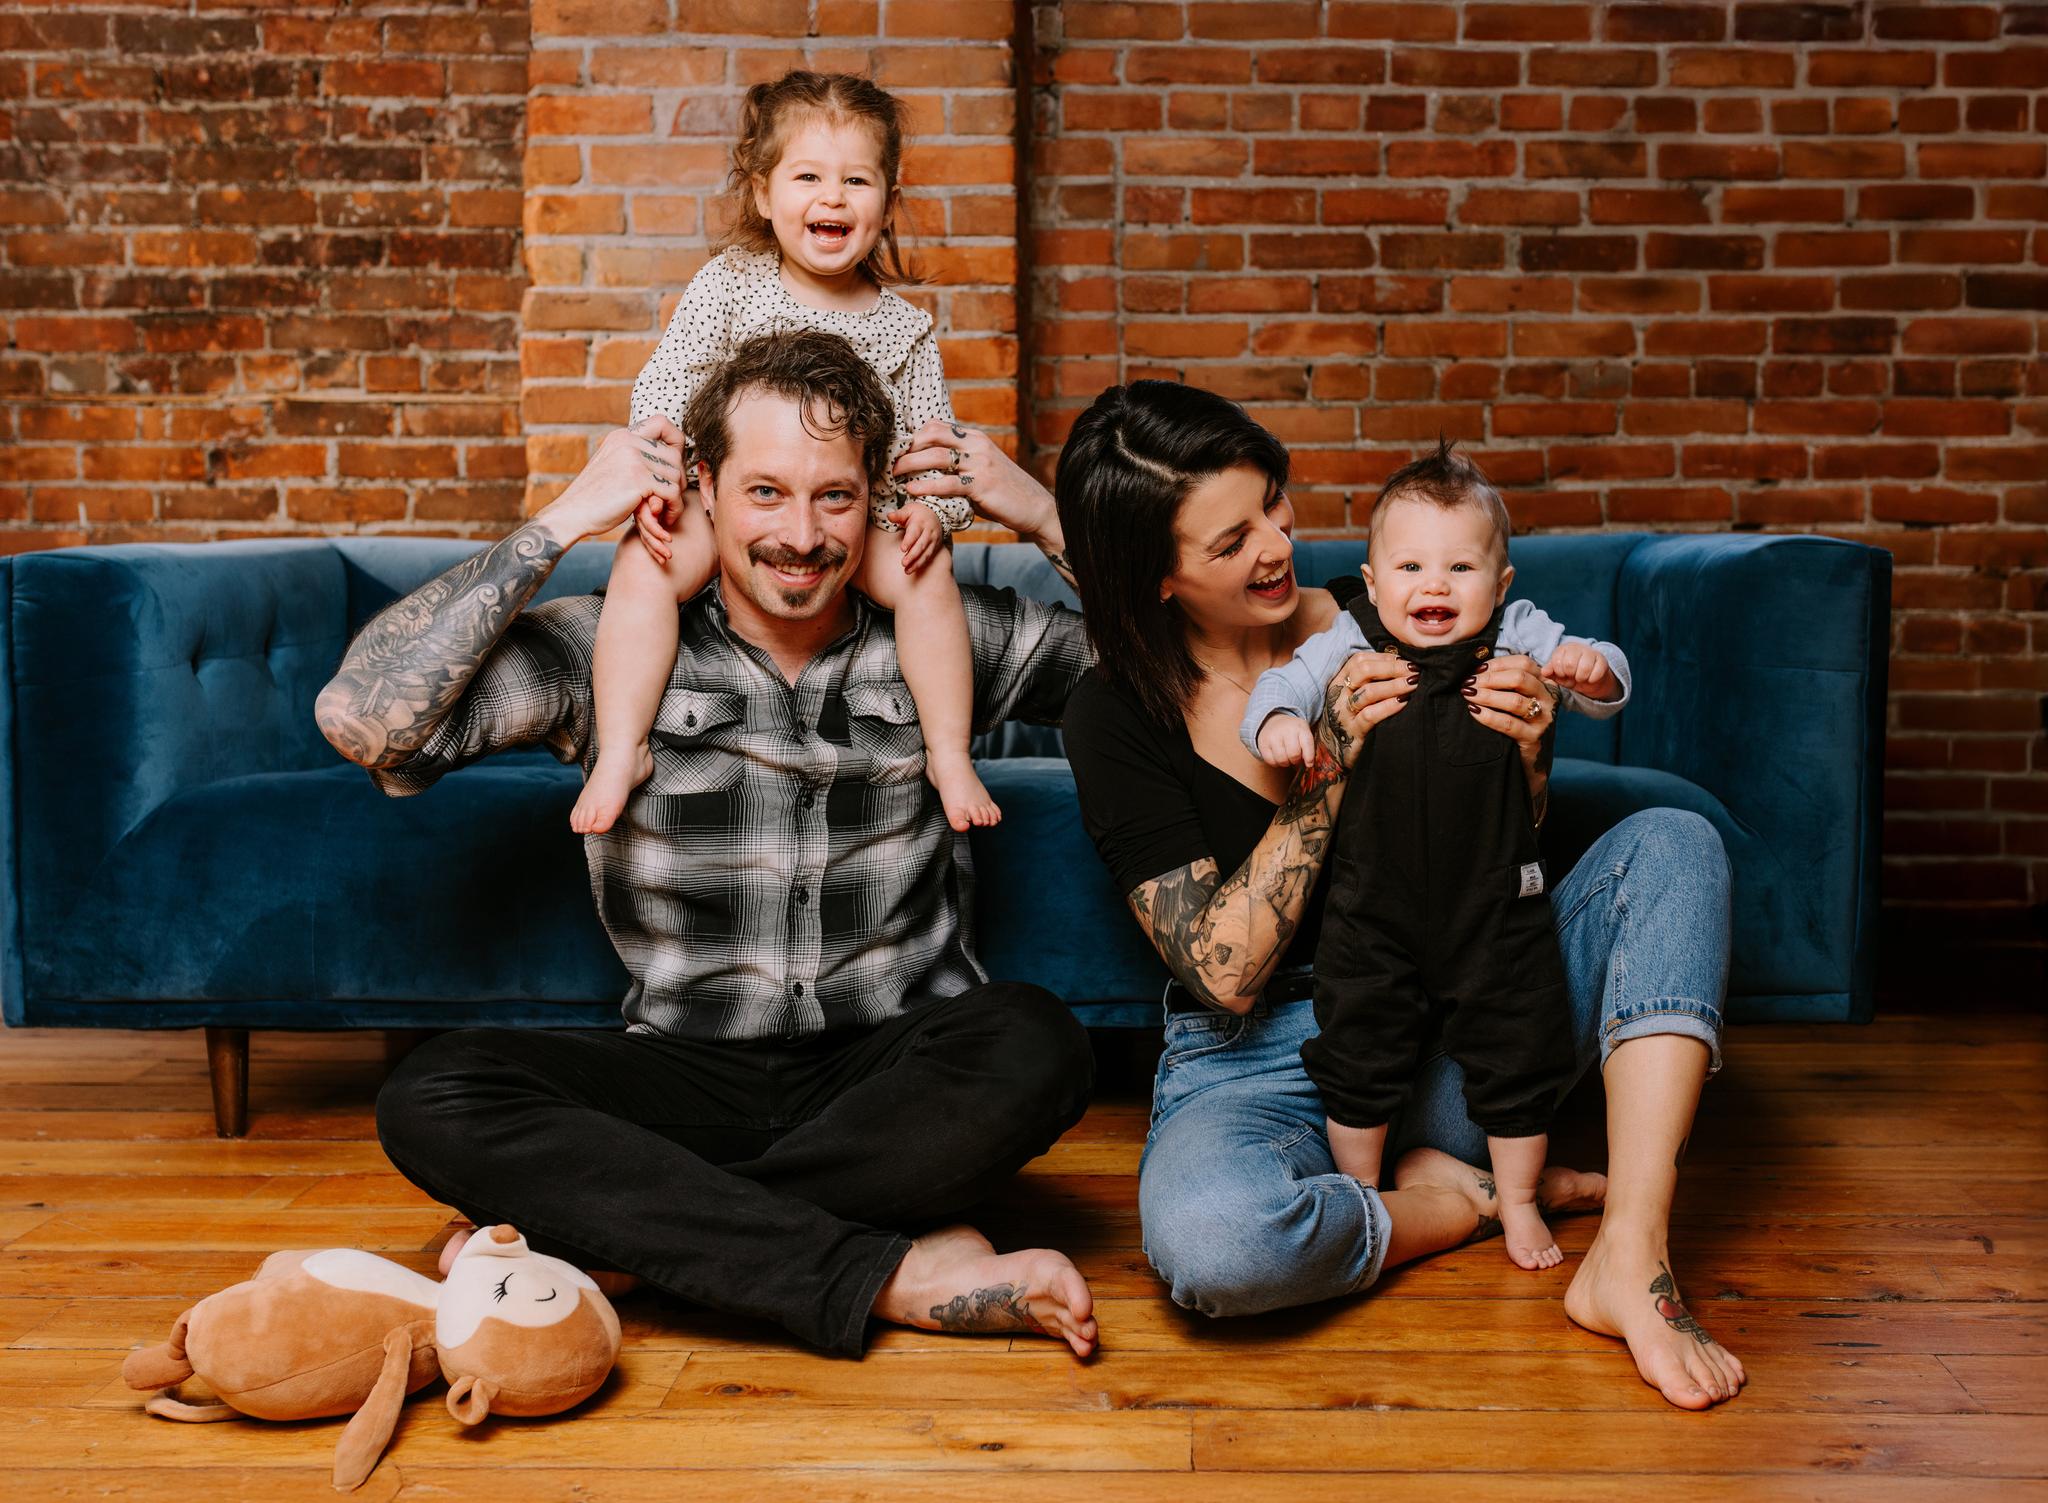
<point x="1000" y="1307"/>
<point x="1674" y="1314"/>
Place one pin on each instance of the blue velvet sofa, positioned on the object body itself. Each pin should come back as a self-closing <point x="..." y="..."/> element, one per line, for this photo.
<point x="182" y="849"/>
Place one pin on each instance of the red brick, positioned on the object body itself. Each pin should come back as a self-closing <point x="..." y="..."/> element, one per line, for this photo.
<point x="1339" y="251"/>
<point x="1666" y="23"/>
<point x="1956" y="23"/>
<point x="1315" y="158"/>
<point x="1574" y="340"/>
<point x="1386" y="206"/>
<point x="1639" y="295"/>
<point x="2007" y="68"/>
<point x="1665" y="252"/>
<point x="1705" y="69"/>
<point x="1648" y="206"/>
<point x="1519" y="420"/>
<point x="1578" y="253"/>
<point x="1832" y="248"/>
<point x="1178" y="65"/>
<point x="1720" y="337"/>
<point x="1787" y="206"/>
<point x="1872" y="461"/>
<point x="1976" y="159"/>
<point x="1171" y="156"/>
<point x="1587" y="159"/>
<point x="1689" y="160"/>
<point x="1315" y="339"/>
<point x="1679" y="418"/>
<point x="1325" y="64"/>
<point x="1845" y="159"/>
<point x="1669" y="504"/>
<point x="1393" y="20"/>
<point x="1424" y="252"/>
<point x="1517" y="206"/>
<point x="1428" y="339"/>
<point x="1459" y="159"/>
<point x="1928" y="115"/>
<point x="1252" y="206"/>
<point x="1460" y="69"/>
<point x="1973" y="336"/>
<point x="1902" y="290"/>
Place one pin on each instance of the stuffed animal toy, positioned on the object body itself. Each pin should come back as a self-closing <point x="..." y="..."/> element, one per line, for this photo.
<point x="344" y="1332"/>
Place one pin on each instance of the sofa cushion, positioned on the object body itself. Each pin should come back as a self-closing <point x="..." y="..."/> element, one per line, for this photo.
<point x="314" y="886"/>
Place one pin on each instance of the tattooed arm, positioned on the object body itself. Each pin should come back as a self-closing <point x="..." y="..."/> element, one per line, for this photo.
<point x="1222" y="936"/>
<point x="409" y="667"/>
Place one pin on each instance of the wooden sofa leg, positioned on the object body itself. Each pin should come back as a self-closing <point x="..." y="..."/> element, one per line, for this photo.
<point x="227" y="1062"/>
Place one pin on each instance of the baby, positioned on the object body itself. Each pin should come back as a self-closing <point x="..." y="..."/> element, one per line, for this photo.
<point x="813" y="198"/>
<point x="1437" y="906"/>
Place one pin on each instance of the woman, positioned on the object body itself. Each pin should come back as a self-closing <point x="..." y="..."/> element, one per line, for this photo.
<point x="1178" y="530"/>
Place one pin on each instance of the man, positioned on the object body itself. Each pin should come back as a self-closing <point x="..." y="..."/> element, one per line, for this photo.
<point x="814" y="1059"/>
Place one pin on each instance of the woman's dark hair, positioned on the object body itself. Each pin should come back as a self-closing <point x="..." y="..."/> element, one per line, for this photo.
<point x="836" y="391"/>
<point x="771" y="115"/>
<point x="1128" y="464"/>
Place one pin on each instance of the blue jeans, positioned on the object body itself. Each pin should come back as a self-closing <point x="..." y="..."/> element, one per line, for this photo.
<point x="1242" y="1206"/>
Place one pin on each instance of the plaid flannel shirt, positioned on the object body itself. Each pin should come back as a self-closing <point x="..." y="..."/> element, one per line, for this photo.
<point x="786" y="869"/>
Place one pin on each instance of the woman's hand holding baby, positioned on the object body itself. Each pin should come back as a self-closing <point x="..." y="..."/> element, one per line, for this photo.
<point x="1578" y="667"/>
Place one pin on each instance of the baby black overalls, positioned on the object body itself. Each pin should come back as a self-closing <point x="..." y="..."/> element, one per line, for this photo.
<point x="1438" y="909"/>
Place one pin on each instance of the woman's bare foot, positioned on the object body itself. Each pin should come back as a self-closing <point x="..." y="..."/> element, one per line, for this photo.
<point x="610" y="784"/>
<point x="953" y="1279"/>
<point x="960" y="789"/>
<point x="1631" y="1294"/>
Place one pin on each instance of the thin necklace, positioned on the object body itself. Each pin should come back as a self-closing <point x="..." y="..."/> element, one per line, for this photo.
<point x="1226" y="677"/>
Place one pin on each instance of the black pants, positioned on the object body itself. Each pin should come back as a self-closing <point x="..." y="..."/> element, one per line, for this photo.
<point x="1437" y="914"/>
<point x="772" y="1181"/>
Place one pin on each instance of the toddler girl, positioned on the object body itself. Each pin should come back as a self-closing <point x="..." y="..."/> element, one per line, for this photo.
<point x="813" y="245"/>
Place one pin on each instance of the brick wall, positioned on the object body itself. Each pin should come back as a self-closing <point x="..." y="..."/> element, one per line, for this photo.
<point x="1675" y="265"/>
<point x="258" y="268"/>
<point x="1769" y="266"/>
<point x="630" y="124"/>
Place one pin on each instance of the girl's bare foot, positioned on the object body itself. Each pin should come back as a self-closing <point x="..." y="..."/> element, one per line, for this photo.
<point x="953" y="1279"/>
<point x="960" y="789"/>
<point x="1630" y="1293"/>
<point x="1528" y="1241"/>
<point x="610" y="784"/>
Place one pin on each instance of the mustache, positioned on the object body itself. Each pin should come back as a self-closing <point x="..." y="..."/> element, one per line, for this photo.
<point x="827" y="555"/>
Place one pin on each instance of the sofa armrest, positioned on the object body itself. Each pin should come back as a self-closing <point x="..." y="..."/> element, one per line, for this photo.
<point x="134" y="673"/>
<point x="1760" y="666"/>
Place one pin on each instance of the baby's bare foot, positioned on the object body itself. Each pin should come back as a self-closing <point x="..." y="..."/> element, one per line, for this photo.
<point x="611" y="783"/>
<point x="1528" y="1241"/>
<point x="954" y="1280"/>
<point x="1631" y="1294"/>
<point x="960" y="788"/>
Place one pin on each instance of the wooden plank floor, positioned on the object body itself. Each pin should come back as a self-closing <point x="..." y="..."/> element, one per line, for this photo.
<point x="1864" y="1219"/>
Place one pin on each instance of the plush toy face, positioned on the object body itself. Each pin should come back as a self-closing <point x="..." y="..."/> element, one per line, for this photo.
<point x="506" y="1280"/>
<point x="520" y="1332"/>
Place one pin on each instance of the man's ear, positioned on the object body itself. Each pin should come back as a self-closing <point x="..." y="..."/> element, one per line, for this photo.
<point x="1372" y="591"/>
<point x="1507" y="577"/>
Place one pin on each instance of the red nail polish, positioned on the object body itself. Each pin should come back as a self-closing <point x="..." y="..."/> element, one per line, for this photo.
<point x="1473" y="708"/>
<point x="1469" y="690"/>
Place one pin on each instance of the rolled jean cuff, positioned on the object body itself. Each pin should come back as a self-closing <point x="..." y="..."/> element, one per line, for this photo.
<point x="1685" y="1016"/>
<point x="1379" y="1228"/>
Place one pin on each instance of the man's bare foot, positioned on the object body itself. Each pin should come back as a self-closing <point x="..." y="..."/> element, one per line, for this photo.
<point x="1631" y="1294"/>
<point x="953" y="1279"/>
<point x="960" y="789"/>
<point x="612" y="1283"/>
<point x="1528" y="1241"/>
<point x="610" y="784"/>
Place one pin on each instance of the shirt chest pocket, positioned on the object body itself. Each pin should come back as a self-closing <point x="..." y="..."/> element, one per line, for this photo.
<point x="696" y="742"/>
<point x="882" y="727"/>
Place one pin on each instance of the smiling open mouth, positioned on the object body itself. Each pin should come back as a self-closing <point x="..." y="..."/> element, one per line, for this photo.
<point x="1433" y="615"/>
<point x="831" y="231"/>
<point x="1276" y="585"/>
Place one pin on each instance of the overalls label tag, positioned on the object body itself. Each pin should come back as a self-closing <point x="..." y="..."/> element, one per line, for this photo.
<point x="1532" y="879"/>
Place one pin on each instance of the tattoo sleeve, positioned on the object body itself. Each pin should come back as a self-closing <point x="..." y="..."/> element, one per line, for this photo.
<point x="1222" y="936"/>
<point x="410" y="665"/>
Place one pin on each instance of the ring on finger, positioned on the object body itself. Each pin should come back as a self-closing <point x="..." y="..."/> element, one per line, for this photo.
<point x="958" y="459"/>
<point x="1532" y="711"/>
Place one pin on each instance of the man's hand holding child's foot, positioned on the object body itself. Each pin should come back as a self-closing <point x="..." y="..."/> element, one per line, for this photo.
<point x="1579" y="668"/>
<point x="953" y="1279"/>
<point x="610" y="784"/>
<point x="961" y="790"/>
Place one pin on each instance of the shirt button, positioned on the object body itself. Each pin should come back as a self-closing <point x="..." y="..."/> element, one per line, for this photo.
<point x="808" y="798"/>
<point x="797" y="989"/>
<point x="802" y="896"/>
